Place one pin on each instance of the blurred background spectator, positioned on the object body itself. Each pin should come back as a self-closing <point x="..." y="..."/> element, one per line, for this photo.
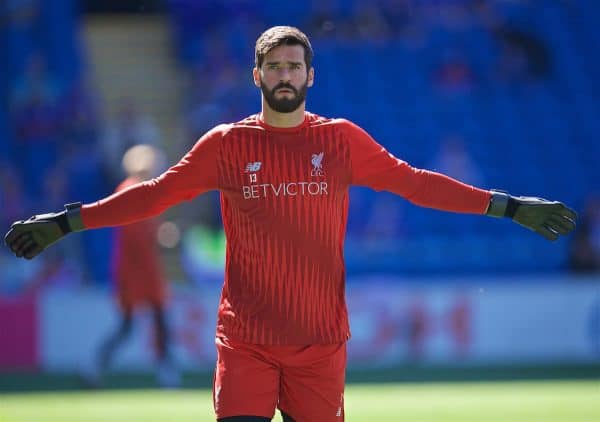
<point x="453" y="159"/>
<point x="128" y="127"/>
<point x="585" y="247"/>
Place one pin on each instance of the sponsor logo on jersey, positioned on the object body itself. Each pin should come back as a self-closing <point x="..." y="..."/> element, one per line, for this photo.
<point x="266" y="190"/>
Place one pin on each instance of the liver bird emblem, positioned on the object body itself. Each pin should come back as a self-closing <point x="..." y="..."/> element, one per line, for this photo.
<point x="317" y="163"/>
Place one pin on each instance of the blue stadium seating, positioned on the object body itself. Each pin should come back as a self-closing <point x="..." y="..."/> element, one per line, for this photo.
<point x="535" y="138"/>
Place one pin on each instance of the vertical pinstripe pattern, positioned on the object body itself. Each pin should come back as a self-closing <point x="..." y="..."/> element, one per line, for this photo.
<point x="284" y="281"/>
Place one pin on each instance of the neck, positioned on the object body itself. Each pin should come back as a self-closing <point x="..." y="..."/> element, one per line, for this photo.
<point x="283" y="120"/>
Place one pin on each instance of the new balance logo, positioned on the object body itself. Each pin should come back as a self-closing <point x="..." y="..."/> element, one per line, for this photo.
<point x="253" y="167"/>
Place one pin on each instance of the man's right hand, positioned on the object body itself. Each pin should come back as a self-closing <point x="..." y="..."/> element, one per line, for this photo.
<point x="27" y="239"/>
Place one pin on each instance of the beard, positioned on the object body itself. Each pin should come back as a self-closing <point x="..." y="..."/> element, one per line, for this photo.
<point x="284" y="104"/>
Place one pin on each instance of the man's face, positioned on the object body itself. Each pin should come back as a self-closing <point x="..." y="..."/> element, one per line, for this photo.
<point x="283" y="78"/>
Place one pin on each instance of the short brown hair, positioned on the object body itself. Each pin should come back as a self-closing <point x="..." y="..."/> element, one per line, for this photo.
<point x="282" y="35"/>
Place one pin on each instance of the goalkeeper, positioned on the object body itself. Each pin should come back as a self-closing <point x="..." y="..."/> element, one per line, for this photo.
<point x="284" y="175"/>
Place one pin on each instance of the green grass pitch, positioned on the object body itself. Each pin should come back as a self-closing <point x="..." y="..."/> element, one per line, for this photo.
<point x="568" y="401"/>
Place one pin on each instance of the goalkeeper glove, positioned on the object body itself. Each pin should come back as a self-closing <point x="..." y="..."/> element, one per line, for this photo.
<point x="30" y="237"/>
<point x="548" y="218"/>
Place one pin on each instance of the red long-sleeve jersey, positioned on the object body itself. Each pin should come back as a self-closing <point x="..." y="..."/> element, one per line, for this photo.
<point x="284" y="201"/>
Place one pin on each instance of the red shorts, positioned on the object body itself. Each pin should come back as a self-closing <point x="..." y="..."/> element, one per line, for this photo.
<point x="306" y="382"/>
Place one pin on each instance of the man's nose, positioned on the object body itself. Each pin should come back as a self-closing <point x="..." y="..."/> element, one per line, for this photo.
<point x="284" y="74"/>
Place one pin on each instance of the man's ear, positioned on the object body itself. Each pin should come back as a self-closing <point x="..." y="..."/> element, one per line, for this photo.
<point x="256" y="76"/>
<point x="311" y="77"/>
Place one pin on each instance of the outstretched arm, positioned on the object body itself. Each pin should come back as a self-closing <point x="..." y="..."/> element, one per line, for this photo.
<point x="374" y="167"/>
<point x="194" y="174"/>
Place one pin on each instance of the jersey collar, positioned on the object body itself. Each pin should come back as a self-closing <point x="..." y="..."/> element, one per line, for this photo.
<point x="305" y="123"/>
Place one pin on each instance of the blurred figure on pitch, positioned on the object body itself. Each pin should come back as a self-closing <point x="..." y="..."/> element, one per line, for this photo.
<point x="138" y="275"/>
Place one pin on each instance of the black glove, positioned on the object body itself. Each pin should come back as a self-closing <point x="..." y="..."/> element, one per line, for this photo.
<point x="30" y="237"/>
<point x="548" y="218"/>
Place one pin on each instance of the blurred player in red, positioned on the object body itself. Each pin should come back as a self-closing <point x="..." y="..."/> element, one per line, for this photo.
<point x="138" y="275"/>
<point x="284" y="176"/>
